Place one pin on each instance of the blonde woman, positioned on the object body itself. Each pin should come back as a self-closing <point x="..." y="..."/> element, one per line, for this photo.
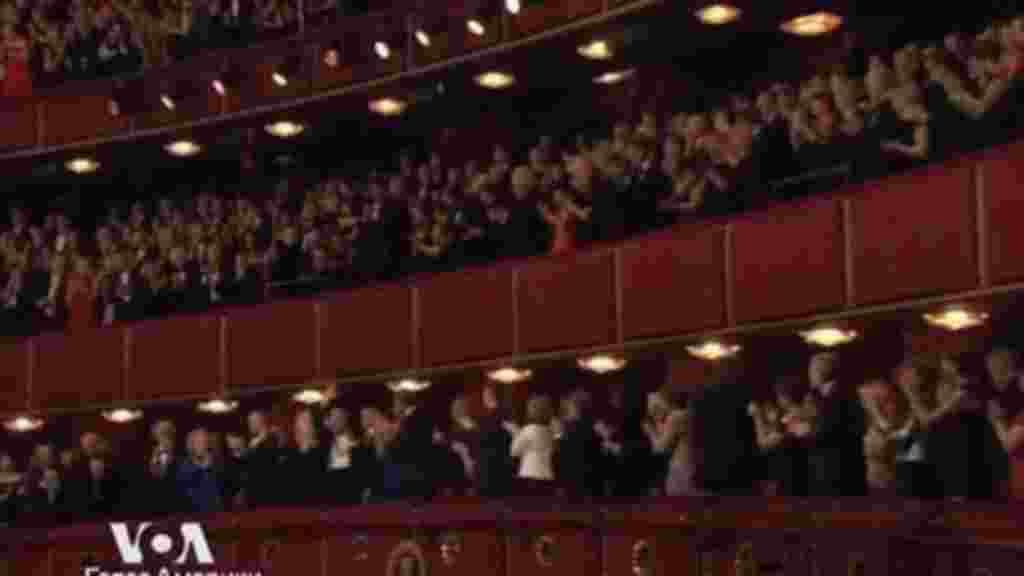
<point x="668" y="430"/>
<point x="533" y="445"/>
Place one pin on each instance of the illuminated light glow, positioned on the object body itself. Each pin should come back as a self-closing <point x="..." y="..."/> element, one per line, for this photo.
<point x="495" y="80"/>
<point x="122" y="415"/>
<point x="828" y="336"/>
<point x="513" y="6"/>
<point x="167" y="101"/>
<point x="816" y="24"/>
<point x="602" y="363"/>
<point x="82" y="165"/>
<point x="718" y="14"/>
<point x="423" y="38"/>
<point x="310" y="397"/>
<point x="113" y="108"/>
<point x="387" y="107"/>
<point x="218" y="406"/>
<point x="408" y="385"/>
<point x="596" y="50"/>
<point x="23" y="424"/>
<point x="614" y="77"/>
<point x="332" y="58"/>
<point x="183" y="148"/>
<point x="382" y="50"/>
<point x="510" y="375"/>
<point x="285" y="129"/>
<point x="713" y="350"/>
<point x="279" y="79"/>
<point x="956" y="318"/>
<point x="218" y="87"/>
<point x="475" y="27"/>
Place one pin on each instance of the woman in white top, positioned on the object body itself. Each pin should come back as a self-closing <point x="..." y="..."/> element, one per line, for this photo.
<point x="668" y="431"/>
<point x="533" y="445"/>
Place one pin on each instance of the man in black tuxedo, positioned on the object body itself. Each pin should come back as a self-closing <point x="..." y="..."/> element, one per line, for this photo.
<point x="836" y="457"/>
<point x="412" y="447"/>
<point x="261" y="463"/>
<point x="494" y="470"/>
<point x="580" y="459"/>
<point x="645" y="187"/>
<point x="724" y="430"/>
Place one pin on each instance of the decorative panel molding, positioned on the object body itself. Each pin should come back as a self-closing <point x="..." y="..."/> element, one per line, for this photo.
<point x="175" y="357"/>
<point x="368" y="330"/>
<point x="80" y="369"/>
<point x="467" y="316"/>
<point x="1002" y="174"/>
<point x="272" y="345"/>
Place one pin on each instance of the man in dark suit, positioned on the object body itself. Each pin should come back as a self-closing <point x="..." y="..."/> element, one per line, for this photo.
<point x="494" y="471"/>
<point x="836" y="456"/>
<point x="413" y="447"/>
<point x="580" y="459"/>
<point x="724" y="430"/>
<point x="261" y="463"/>
<point x="646" y="185"/>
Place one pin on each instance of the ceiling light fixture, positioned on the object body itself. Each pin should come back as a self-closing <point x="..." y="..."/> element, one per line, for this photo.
<point x="422" y="37"/>
<point x="122" y="415"/>
<point x="956" y="318"/>
<point x="21" y="424"/>
<point x="408" y="385"/>
<point x="167" y="101"/>
<point x="614" y="77"/>
<point x="596" y="50"/>
<point x="280" y="79"/>
<point x="475" y="27"/>
<point x="332" y="57"/>
<point x="310" y="397"/>
<point x="382" y="50"/>
<point x="183" y="148"/>
<point x="510" y="375"/>
<point x="713" y="350"/>
<point x="602" y="363"/>
<point x="513" y="6"/>
<point x="219" y="87"/>
<point x="387" y="106"/>
<point x="828" y="336"/>
<point x="718" y="14"/>
<point x="494" y="80"/>
<point x="816" y="24"/>
<point x="82" y="165"/>
<point x="217" y="406"/>
<point x="285" y="129"/>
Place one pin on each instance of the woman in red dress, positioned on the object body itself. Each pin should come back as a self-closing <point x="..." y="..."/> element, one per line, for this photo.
<point x="80" y="296"/>
<point x="16" y="82"/>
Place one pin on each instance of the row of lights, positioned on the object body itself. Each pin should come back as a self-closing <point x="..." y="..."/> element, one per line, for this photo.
<point x="953" y="318"/>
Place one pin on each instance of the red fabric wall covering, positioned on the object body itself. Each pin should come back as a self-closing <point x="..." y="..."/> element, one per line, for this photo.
<point x="272" y="345"/>
<point x="68" y="118"/>
<point x="673" y="283"/>
<point x="18" y="117"/>
<point x="567" y="302"/>
<point x="1002" y="177"/>
<point x="788" y="261"/>
<point x="174" y="357"/>
<point x="367" y="330"/>
<point x="914" y="234"/>
<point x="467" y="316"/>
<point x="13" y="376"/>
<point x="78" y="369"/>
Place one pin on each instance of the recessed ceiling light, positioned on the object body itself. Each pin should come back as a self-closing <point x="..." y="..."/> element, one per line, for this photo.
<point x="596" y="50"/>
<point x="718" y="14"/>
<point x="310" y="396"/>
<point x="82" y="165"/>
<point x="122" y="415"/>
<point x="382" y="50"/>
<point x="513" y="6"/>
<point x="713" y="350"/>
<point x="475" y="27"/>
<point x="422" y="37"/>
<point x="167" y="101"/>
<point x="495" y="80"/>
<point x="602" y="363"/>
<point x="23" y="424"/>
<point x="509" y="375"/>
<point x="279" y="79"/>
<point x="332" y="58"/>
<point x="218" y="406"/>
<point x="828" y="336"/>
<point x="614" y="77"/>
<point x="387" y="106"/>
<point x="956" y="318"/>
<point x="408" y="385"/>
<point x="218" y="87"/>
<point x="285" y="129"/>
<point x="816" y="24"/>
<point x="183" y="148"/>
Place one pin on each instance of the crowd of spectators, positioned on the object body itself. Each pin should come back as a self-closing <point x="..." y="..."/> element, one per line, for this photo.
<point x="53" y="40"/>
<point x="924" y="103"/>
<point x="934" y="430"/>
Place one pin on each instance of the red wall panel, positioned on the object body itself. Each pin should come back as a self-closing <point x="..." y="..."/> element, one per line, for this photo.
<point x="913" y="234"/>
<point x="567" y="302"/>
<point x="788" y="261"/>
<point x="32" y="560"/>
<point x="156" y="369"/>
<point x="13" y="376"/>
<point x="1003" y="172"/>
<point x="78" y="369"/>
<point x="18" y="117"/>
<point x="672" y="283"/>
<point x="272" y="345"/>
<point x="72" y="117"/>
<point x="367" y="330"/>
<point x="467" y="316"/>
